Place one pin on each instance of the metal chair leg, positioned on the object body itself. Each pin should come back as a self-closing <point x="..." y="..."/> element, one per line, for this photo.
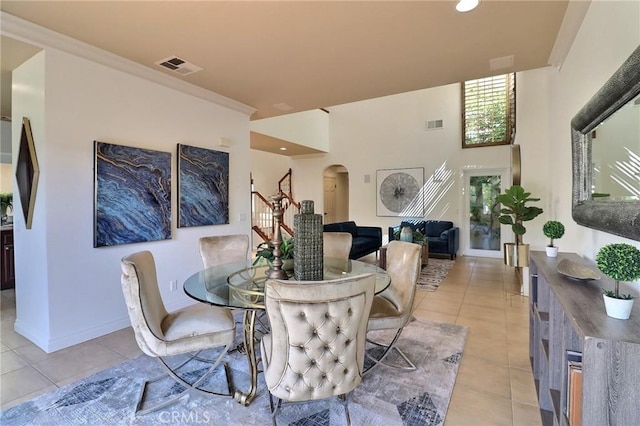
<point x="189" y="387"/>
<point x="410" y="365"/>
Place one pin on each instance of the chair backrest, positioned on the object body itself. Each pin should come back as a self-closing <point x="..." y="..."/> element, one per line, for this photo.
<point x="220" y="249"/>
<point x="404" y="261"/>
<point x="144" y="303"/>
<point x="318" y="334"/>
<point x="337" y="244"/>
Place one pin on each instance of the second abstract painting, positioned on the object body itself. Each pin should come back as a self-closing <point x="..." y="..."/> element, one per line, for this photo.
<point x="203" y="186"/>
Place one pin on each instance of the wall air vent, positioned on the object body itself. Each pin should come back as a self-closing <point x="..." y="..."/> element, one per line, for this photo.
<point x="434" y="124"/>
<point x="178" y="65"/>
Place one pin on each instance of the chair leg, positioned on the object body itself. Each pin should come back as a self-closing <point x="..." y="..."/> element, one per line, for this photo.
<point x="189" y="387"/>
<point x="274" y="408"/>
<point x="410" y="365"/>
<point x="345" y="402"/>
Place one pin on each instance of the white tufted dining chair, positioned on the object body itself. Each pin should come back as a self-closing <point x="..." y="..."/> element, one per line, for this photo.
<point x="160" y="334"/>
<point x="220" y="249"/>
<point x="392" y="309"/>
<point x="315" y="349"/>
<point x="337" y="244"/>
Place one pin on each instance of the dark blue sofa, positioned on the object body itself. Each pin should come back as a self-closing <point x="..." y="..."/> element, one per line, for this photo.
<point x="443" y="236"/>
<point x="366" y="239"/>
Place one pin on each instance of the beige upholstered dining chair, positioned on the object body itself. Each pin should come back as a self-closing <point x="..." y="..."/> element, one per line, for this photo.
<point x="315" y="349"/>
<point x="392" y="309"/>
<point x="220" y="249"/>
<point x="337" y="244"/>
<point x="161" y="334"/>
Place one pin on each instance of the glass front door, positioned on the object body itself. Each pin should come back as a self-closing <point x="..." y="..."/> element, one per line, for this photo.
<point x="483" y="229"/>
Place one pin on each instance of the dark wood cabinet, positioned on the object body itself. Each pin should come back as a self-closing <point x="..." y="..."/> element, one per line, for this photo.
<point x="7" y="271"/>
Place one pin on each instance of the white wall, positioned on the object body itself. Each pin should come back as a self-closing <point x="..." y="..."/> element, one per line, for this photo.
<point x="389" y="132"/>
<point x="609" y="33"/>
<point x="33" y="316"/>
<point x="66" y="290"/>
<point x="267" y="169"/>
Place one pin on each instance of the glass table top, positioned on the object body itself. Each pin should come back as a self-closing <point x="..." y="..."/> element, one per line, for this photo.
<point x="241" y="285"/>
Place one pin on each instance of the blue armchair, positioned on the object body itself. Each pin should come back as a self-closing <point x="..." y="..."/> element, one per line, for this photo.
<point x="443" y="236"/>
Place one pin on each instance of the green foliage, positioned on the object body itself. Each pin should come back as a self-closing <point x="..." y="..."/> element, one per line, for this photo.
<point x="515" y="210"/>
<point x="418" y="237"/>
<point x="612" y="294"/>
<point x="553" y="229"/>
<point x="620" y="262"/>
<point x="6" y="201"/>
<point x="264" y="250"/>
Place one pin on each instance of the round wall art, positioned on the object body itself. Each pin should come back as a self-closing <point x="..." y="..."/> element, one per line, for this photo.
<point x="399" y="192"/>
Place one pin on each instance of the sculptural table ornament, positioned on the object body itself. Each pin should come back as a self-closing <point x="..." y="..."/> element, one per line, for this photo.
<point x="276" y="271"/>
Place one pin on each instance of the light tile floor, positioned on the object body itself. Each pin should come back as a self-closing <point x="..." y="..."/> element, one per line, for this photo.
<point x="494" y="384"/>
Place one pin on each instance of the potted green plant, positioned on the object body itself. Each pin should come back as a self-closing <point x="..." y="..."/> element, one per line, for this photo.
<point x="620" y="262"/>
<point x="553" y="230"/>
<point x="416" y="236"/>
<point x="264" y="252"/>
<point x="6" y="202"/>
<point x="515" y="210"/>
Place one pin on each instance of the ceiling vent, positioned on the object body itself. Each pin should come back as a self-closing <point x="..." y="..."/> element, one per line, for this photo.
<point x="179" y="65"/>
<point x="434" y="124"/>
<point x="501" y="63"/>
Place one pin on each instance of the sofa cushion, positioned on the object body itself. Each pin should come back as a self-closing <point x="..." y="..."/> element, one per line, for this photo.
<point x="434" y="228"/>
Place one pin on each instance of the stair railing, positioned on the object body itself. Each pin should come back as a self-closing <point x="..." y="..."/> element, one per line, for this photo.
<point x="262" y="212"/>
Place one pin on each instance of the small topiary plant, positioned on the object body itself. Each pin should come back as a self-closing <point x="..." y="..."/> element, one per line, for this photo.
<point x="553" y="230"/>
<point x="620" y="262"/>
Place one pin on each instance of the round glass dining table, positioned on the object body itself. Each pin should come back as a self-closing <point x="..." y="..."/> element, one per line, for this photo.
<point x="241" y="285"/>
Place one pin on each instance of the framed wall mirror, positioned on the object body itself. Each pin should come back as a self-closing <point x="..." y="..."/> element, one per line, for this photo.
<point x="606" y="155"/>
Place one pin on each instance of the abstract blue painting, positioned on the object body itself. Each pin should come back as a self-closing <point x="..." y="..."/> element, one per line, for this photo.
<point x="132" y="195"/>
<point x="203" y="186"/>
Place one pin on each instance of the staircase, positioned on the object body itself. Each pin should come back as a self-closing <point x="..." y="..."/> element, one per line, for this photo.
<point x="262" y="211"/>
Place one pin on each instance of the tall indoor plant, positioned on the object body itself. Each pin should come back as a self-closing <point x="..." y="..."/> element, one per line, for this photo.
<point x="515" y="210"/>
<point x="553" y="230"/>
<point x="620" y="262"/>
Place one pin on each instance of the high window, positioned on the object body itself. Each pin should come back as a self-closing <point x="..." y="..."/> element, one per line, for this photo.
<point x="489" y="111"/>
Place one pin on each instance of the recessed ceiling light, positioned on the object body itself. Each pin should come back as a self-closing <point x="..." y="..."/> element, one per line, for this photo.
<point x="282" y="148"/>
<point x="467" y="5"/>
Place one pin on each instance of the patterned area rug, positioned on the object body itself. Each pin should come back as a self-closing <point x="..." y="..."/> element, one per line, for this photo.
<point x="385" y="396"/>
<point x="434" y="273"/>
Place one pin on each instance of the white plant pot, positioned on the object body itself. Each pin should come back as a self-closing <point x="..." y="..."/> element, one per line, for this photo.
<point x="551" y="251"/>
<point x="618" y="308"/>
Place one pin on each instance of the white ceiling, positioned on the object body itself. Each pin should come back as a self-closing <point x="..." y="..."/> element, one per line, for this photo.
<point x="309" y="54"/>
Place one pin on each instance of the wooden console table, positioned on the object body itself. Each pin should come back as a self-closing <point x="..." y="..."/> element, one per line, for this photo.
<point x="569" y="315"/>
<point x="383" y="255"/>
